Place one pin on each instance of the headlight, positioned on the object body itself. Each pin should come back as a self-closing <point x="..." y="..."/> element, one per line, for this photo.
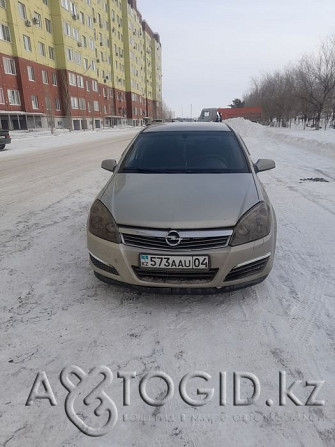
<point x="253" y="225"/>
<point x="102" y="224"/>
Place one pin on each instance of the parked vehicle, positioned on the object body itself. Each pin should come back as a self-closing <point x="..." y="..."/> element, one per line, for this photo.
<point x="213" y="114"/>
<point x="184" y="208"/>
<point x="4" y="138"/>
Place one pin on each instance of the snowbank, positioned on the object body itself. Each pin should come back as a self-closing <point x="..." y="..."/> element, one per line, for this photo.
<point x="318" y="141"/>
<point x="23" y="141"/>
<point x="245" y="127"/>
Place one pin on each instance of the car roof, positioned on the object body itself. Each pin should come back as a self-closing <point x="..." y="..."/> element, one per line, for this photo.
<point x="188" y="127"/>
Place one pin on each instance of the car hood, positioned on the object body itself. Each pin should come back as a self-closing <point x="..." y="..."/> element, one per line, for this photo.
<point x="180" y="201"/>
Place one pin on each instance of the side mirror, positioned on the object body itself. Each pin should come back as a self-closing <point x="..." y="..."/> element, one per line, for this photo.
<point x="109" y="165"/>
<point x="264" y="164"/>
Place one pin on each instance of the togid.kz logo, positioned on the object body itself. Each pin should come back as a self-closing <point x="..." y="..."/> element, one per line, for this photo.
<point x="106" y="404"/>
<point x="76" y="382"/>
<point x="94" y="413"/>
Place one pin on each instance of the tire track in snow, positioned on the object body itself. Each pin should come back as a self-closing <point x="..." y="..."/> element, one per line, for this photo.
<point x="312" y="309"/>
<point x="308" y="303"/>
<point x="300" y="263"/>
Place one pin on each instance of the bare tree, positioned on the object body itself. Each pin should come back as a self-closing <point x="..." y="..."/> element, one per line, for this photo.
<point x="306" y="91"/>
<point x="49" y="109"/>
<point x="273" y="92"/>
<point x="66" y="100"/>
<point x="50" y="112"/>
<point x="316" y="79"/>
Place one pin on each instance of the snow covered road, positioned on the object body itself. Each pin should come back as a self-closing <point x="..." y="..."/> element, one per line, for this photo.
<point x="55" y="313"/>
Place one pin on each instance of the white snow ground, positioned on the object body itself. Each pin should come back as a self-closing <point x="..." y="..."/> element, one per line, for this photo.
<point x="55" y="313"/>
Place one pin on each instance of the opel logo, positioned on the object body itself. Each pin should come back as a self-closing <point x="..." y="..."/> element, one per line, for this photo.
<point x="173" y="239"/>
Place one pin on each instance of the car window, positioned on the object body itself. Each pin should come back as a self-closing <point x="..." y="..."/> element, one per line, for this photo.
<point x="180" y="152"/>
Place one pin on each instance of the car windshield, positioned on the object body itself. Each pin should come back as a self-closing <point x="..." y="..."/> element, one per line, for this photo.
<point x="185" y="152"/>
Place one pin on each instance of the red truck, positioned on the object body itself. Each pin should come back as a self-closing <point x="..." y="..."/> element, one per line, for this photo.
<point x="219" y="114"/>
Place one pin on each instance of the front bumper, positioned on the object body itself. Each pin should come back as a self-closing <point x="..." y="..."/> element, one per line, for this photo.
<point x="233" y="267"/>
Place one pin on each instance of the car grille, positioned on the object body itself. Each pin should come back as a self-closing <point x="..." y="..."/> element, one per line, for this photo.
<point x="190" y="240"/>
<point x="247" y="269"/>
<point x="173" y="276"/>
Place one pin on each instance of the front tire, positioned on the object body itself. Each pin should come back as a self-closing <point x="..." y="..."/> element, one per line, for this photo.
<point x="2" y="146"/>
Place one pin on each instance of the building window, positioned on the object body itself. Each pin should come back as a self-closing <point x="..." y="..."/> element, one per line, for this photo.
<point x="89" y="22"/>
<point x="3" y="3"/>
<point x="77" y="57"/>
<point x="69" y="54"/>
<point x="45" y="77"/>
<point x="54" y="79"/>
<point x="94" y="86"/>
<point x="82" y="104"/>
<point x="45" y="2"/>
<point x="88" y="86"/>
<point x="9" y="65"/>
<point x="67" y="29"/>
<point x="2" y="97"/>
<point x="41" y="48"/>
<point x="22" y="11"/>
<point x="37" y="19"/>
<point x="74" y="102"/>
<point x="96" y="106"/>
<point x="80" y="81"/>
<point x="51" y="53"/>
<point x="34" y="102"/>
<point x="31" y="73"/>
<point x="57" y="104"/>
<point x="48" y="25"/>
<point x="86" y="65"/>
<point x="73" y="8"/>
<point x="48" y="104"/>
<point x="75" y="33"/>
<point x="26" y="43"/>
<point x="14" y="97"/>
<point x="4" y="33"/>
<point x="72" y="79"/>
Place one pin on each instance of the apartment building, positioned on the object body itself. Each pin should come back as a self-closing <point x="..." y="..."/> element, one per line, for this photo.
<point x="77" y="64"/>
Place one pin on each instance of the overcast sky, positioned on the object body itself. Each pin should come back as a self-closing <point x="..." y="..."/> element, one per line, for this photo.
<point x="211" y="49"/>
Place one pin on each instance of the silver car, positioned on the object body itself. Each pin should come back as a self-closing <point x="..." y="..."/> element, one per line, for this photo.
<point x="183" y="210"/>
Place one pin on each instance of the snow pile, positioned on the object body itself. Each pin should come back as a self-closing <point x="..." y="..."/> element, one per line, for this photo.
<point x="23" y="142"/>
<point x="317" y="140"/>
<point x="245" y="127"/>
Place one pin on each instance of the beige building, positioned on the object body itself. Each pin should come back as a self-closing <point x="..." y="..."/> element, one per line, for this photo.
<point x="78" y="64"/>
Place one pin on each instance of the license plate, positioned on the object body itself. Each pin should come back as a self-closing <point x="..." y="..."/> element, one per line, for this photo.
<point x="174" y="262"/>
